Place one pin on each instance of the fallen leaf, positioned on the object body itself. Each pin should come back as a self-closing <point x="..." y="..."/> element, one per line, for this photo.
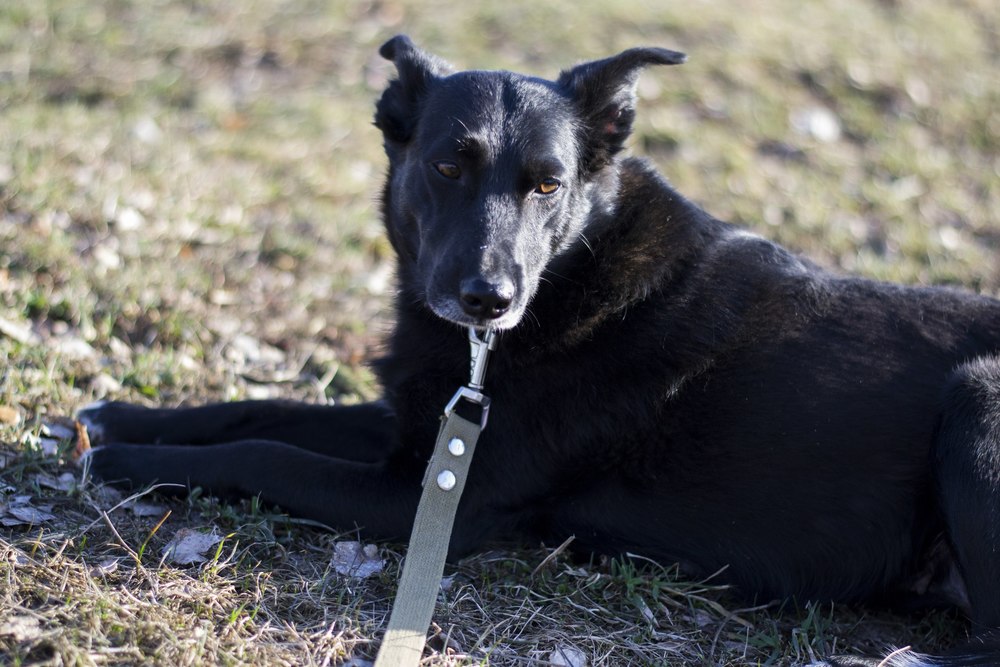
<point x="190" y="546"/>
<point x="33" y="515"/>
<point x="18" y="511"/>
<point x="82" y="445"/>
<point x="351" y="559"/>
<point x="65" y="481"/>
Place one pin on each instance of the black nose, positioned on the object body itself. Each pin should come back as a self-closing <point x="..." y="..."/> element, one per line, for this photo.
<point x="487" y="300"/>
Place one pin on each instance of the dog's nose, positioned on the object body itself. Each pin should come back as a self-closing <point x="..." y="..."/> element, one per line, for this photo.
<point x="487" y="300"/>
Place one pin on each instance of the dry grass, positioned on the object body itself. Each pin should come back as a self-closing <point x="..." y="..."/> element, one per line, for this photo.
<point x="186" y="213"/>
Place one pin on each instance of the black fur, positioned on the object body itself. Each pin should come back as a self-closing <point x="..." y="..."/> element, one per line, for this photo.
<point x="665" y="383"/>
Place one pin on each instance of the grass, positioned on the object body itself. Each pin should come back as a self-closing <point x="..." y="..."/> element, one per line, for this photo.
<point x="187" y="212"/>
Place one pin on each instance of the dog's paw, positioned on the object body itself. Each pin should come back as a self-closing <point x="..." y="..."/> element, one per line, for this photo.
<point x="110" y="464"/>
<point x="106" y="421"/>
<point x="90" y="418"/>
<point x="131" y="467"/>
<point x="85" y="460"/>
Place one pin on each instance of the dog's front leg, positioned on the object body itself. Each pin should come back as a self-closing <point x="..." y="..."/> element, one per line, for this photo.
<point x="358" y="432"/>
<point x="380" y="498"/>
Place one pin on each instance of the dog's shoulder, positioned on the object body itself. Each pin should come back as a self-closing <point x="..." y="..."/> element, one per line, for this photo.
<point x="675" y="242"/>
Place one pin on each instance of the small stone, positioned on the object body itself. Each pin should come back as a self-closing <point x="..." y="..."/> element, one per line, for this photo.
<point x="568" y="656"/>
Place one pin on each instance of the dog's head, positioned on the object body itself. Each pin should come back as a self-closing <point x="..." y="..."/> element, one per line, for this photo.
<point x="495" y="174"/>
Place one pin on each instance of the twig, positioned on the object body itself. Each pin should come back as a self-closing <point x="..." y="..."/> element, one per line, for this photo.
<point x="121" y="540"/>
<point x="553" y="555"/>
<point x="899" y="651"/>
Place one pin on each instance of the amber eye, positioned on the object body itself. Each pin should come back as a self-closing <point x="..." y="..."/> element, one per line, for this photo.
<point x="447" y="169"/>
<point x="548" y="186"/>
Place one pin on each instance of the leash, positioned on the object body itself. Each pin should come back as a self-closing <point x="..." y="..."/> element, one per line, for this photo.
<point x="444" y="481"/>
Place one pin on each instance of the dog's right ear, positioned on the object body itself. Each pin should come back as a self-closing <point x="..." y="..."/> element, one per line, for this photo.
<point x="398" y="109"/>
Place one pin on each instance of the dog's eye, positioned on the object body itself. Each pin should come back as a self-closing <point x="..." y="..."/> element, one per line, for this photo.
<point x="548" y="186"/>
<point x="447" y="169"/>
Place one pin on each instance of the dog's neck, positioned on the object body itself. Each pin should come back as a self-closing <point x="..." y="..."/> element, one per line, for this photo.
<point x="637" y="247"/>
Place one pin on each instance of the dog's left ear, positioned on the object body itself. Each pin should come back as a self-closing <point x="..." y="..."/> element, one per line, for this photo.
<point x="604" y="92"/>
<point x="396" y="113"/>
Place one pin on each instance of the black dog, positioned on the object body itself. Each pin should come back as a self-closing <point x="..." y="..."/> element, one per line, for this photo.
<point x="664" y="383"/>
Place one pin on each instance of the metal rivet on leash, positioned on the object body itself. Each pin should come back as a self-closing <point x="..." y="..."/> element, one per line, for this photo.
<point x="446" y="480"/>
<point x="449" y="466"/>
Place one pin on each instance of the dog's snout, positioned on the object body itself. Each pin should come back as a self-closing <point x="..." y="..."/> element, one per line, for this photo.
<point x="486" y="300"/>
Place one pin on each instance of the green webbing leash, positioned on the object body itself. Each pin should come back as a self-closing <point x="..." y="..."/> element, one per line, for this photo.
<point x="443" y="483"/>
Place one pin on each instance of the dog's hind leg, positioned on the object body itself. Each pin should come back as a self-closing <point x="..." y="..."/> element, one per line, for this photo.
<point x="966" y="467"/>
<point x="358" y="432"/>
<point x="967" y="470"/>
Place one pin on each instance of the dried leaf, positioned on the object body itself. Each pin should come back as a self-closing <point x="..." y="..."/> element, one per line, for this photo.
<point x="190" y="546"/>
<point x="82" y="445"/>
<point x="65" y="482"/>
<point x="351" y="559"/>
<point x="20" y="515"/>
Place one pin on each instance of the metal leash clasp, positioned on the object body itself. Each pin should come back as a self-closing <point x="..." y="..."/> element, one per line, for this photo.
<point x="479" y="353"/>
